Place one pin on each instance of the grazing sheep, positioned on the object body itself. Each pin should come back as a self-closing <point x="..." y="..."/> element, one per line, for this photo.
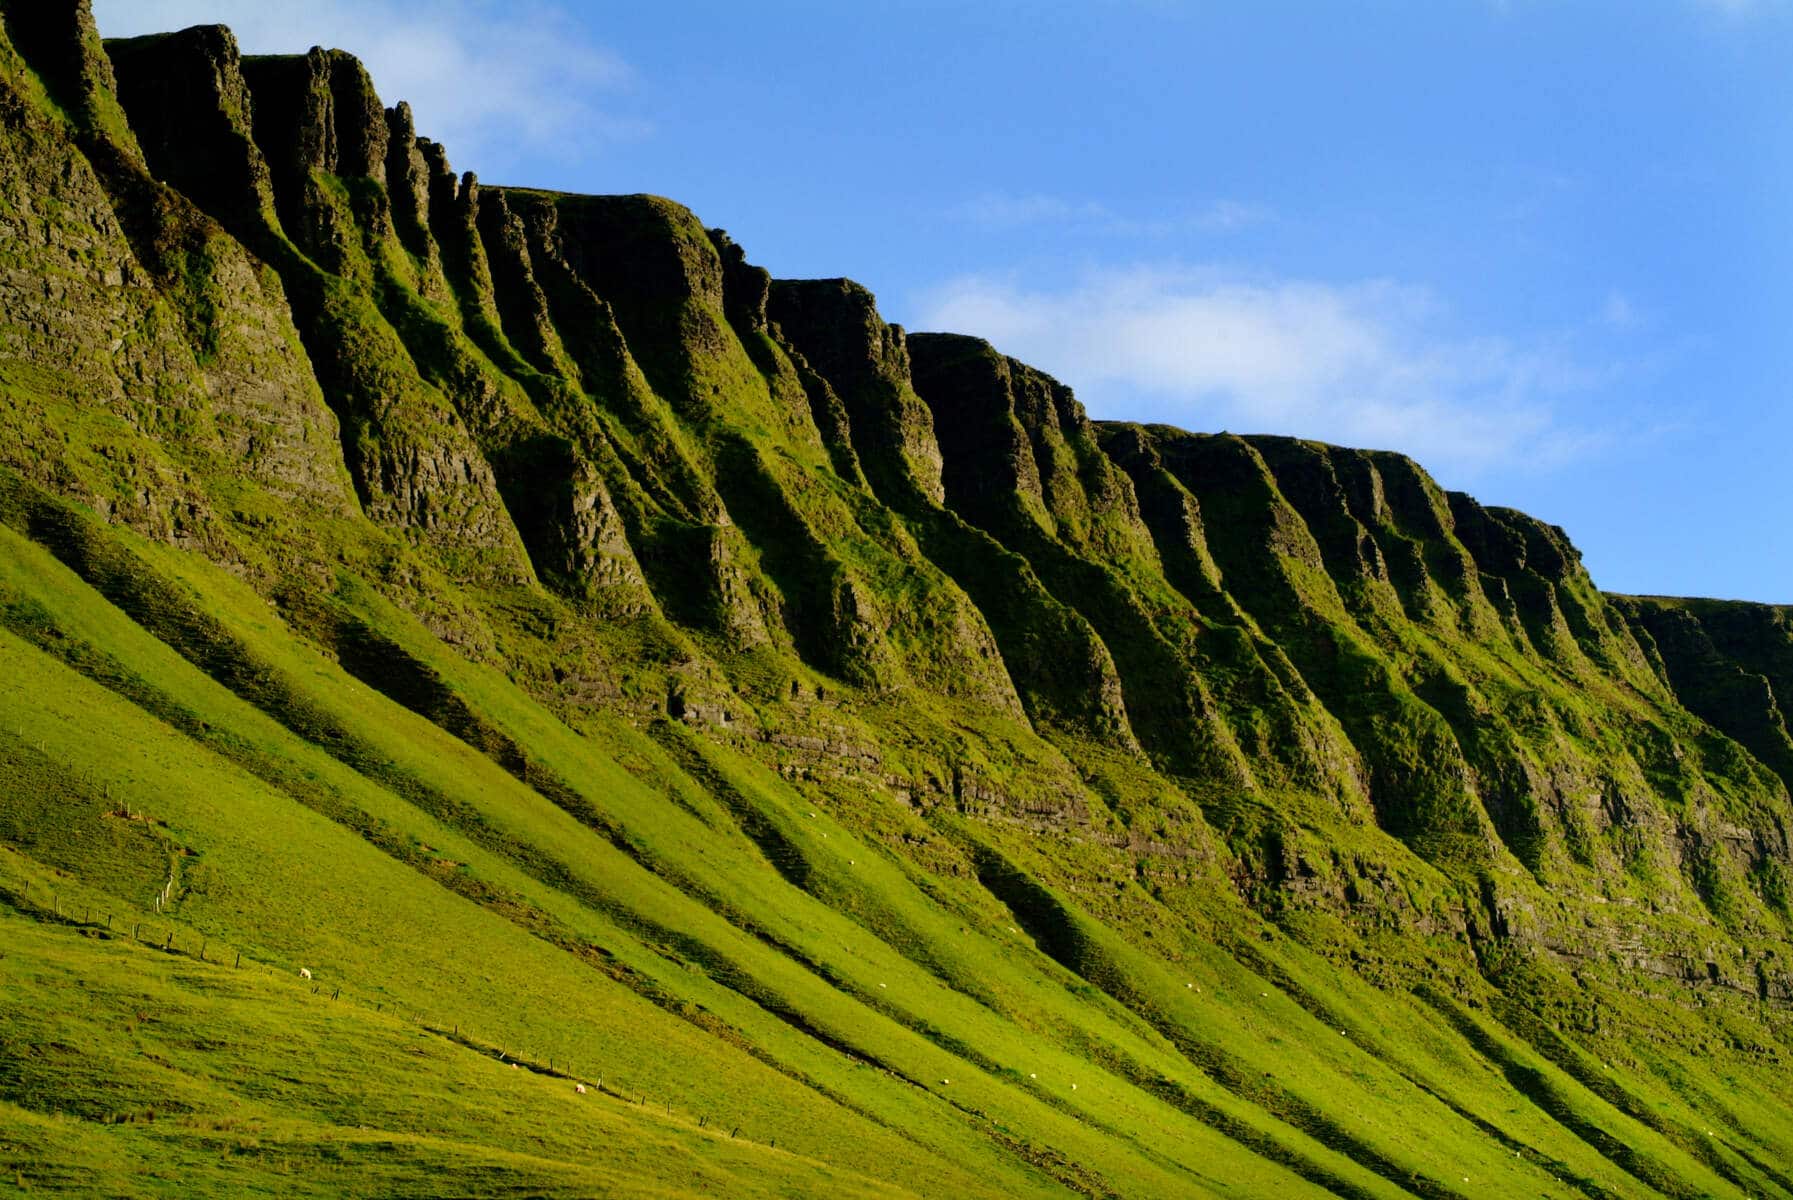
<point x="304" y="972"/>
<point x="580" y="1088"/>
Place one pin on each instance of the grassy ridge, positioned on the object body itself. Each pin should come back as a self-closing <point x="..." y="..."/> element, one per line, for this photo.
<point x="860" y="990"/>
<point x="859" y="769"/>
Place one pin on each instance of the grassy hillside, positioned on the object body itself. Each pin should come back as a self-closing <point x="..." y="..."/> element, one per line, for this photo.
<point x="594" y="663"/>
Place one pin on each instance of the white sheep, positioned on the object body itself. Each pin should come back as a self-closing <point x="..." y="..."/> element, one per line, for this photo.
<point x="304" y="972"/>
<point x="580" y="1088"/>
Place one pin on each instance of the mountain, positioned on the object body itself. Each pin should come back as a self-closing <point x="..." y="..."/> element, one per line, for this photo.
<point x="498" y="694"/>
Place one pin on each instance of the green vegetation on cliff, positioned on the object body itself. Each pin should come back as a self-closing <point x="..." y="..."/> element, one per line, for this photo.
<point x="600" y="665"/>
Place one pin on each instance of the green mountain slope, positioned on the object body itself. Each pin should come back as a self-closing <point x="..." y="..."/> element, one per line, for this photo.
<point x="463" y="645"/>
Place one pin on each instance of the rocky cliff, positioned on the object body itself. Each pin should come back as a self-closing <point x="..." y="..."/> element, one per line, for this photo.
<point x="1150" y="699"/>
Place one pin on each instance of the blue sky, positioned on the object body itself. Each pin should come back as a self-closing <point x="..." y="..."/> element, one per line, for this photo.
<point x="1543" y="247"/>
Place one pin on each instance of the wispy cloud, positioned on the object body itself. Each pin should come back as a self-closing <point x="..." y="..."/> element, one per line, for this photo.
<point x="1003" y="210"/>
<point x="1726" y="8"/>
<point x="1618" y="311"/>
<point x="488" y="79"/>
<point x="1739" y="8"/>
<point x="1364" y="364"/>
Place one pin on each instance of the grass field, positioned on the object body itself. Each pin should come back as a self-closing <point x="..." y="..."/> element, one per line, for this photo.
<point x="675" y="926"/>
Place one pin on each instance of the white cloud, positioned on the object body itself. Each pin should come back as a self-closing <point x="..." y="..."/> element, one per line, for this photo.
<point x="1231" y="214"/>
<point x="1361" y="364"/>
<point x="1618" y="311"/>
<point x="1002" y="210"/>
<point x="487" y="79"/>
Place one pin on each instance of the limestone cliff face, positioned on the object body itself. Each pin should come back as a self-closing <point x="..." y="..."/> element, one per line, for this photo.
<point x="834" y="323"/>
<point x="168" y="348"/>
<point x="583" y="439"/>
<point x="302" y="143"/>
<point x="1729" y="662"/>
